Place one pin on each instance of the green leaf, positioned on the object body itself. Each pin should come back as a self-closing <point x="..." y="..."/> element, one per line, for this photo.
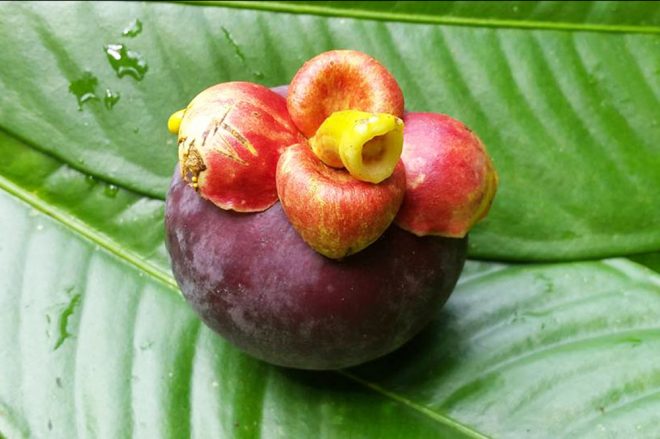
<point x="564" y="350"/>
<point x="572" y="129"/>
<point x="651" y="260"/>
<point x="128" y="224"/>
<point x="607" y="16"/>
<point x="517" y="351"/>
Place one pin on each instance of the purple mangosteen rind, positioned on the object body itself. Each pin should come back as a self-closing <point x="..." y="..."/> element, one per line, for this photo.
<point x="252" y="279"/>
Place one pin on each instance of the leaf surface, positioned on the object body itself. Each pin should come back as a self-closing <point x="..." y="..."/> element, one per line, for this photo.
<point x="609" y="16"/>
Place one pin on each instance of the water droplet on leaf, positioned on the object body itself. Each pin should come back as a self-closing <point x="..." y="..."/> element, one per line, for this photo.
<point x="110" y="98"/>
<point x="84" y="88"/>
<point x="133" y="29"/>
<point x="126" y="62"/>
<point x="63" y="321"/>
<point x="111" y="190"/>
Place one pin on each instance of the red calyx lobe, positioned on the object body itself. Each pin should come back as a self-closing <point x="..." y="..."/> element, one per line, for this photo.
<point x="451" y="180"/>
<point x="341" y="80"/>
<point x="231" y="138"/>
<point x="335" y="214"/>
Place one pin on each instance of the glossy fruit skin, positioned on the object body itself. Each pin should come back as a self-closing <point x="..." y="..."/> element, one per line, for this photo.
<point x="230" y="139"/>
<point x="341" y="80"/>
<point x="451" y="180"/>
<point x="253" y="279"/>
<point x="334" y="213"/>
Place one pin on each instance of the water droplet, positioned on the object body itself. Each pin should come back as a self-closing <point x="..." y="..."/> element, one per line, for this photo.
<point x="40" y="227"/>
<point x="133" y="29"/>
<point x="110" y="98"/>
<point x="258" y="74"/>
<point x="214" y="384"/>
<point x="63" y="322"/>
<point x="136" y="130"/>
<point x="516" y="8"/>
<point x="84" y="88"/>
<point x="90" y="180"/>
<point x="126" y="62"/>
<point x="111" y="190"/>
<point x="81" y="161"/>
<point x="170" y="374"/>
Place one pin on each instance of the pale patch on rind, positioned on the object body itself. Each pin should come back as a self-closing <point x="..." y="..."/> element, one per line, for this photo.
<point x="419" y="179"/>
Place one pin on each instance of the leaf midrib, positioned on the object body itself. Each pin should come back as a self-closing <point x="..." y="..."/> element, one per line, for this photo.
<point x="80" y="228"/>
<point x="442" y="419"/>
<point x="423" y="18"/>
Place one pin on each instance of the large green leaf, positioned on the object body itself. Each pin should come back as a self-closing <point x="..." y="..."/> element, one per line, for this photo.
<point x="573" y="129"/>
<point x="608" y="16"/>
<point x="94" y="347"/>
<point x="128" y="224"/>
